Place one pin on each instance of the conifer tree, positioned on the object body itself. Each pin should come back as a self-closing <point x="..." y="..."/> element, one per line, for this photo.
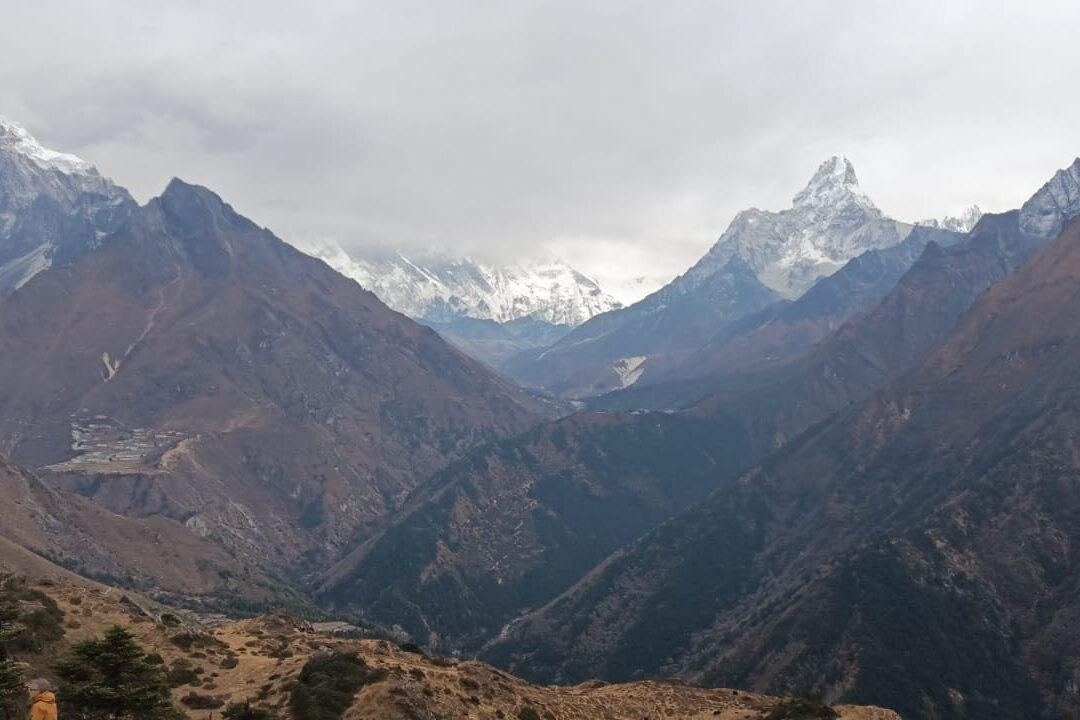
<point x="12" y="693"/>
<point x="111" y="679"/>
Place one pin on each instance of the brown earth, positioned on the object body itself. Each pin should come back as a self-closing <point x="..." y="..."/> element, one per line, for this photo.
<point x="240" y="399"/>
<point x="258" y="660"/>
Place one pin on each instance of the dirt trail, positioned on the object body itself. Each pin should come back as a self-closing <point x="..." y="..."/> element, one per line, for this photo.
<point x="181" y="277"/>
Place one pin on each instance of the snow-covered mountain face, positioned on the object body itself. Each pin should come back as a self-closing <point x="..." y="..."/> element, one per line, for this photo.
<point x="830" y="222"/>
<point x="444" y="290"/>
<point x="962" y="222"/>
<point x="1053" y="205"/>
<point x="54" y="207"/>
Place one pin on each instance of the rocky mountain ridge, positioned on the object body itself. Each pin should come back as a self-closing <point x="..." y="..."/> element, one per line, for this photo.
<point x="904" y="508"/>
<point x="54" y="207"/>
<point x="197" y="369"/>
<point x="444" y="289"/>
<point x="763" y="257"/>
<point x="490" y="311"/>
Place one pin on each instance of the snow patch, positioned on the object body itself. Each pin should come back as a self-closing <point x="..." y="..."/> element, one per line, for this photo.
<point x="630" y="369"/>
<point x="830" y="221"/>
<point x="15" y="137"/>
<point x="444" y="289"/>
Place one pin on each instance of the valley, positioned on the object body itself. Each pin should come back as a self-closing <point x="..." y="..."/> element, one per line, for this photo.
<point x="509" y="491"/>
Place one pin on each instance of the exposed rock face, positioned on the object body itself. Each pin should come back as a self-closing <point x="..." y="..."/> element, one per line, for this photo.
<point x="830" y="222"/>
<point x="762" y="257"/>
<point x="196" y="367"/>
<point x="54" y="207"/>
<point x="776" y="335"/>
<point x="1044" y="214"/>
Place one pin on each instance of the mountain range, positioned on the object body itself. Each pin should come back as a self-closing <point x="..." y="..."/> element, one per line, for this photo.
<point x="762" y="259"/>
<point x="838" y="453"/>
<point x="519" y="552"/>
<point x="945" y="502"/>
<point x="192" y="368"/>
<point x="493" y="312"/>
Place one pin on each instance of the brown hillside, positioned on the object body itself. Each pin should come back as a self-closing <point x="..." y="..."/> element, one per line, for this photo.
<point x="196" y="369"/>
<point x="259" y="659"/>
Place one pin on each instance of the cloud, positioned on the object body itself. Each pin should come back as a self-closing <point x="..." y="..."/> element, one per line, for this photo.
<point x="622" y="135"/>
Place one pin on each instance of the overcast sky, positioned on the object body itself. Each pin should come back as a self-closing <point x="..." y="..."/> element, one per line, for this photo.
<point x="622" y="136"/>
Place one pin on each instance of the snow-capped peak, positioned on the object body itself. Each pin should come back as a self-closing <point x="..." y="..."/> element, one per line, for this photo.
<point x="961" y="222"/>
<point x="441" y="289"/>
<point x="1058" y="200"/>
<point x="833" y="184"/>
<point x="16" y="138"/>
<point x="831" y="221"/>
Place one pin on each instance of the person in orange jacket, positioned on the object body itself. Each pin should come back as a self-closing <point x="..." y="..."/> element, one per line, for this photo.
<point x="44" y="702"/>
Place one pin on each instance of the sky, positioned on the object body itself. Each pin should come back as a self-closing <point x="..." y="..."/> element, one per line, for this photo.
<point x="621" y="136"/>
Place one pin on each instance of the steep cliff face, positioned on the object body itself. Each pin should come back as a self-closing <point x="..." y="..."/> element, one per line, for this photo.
<point x="54" y="207"/>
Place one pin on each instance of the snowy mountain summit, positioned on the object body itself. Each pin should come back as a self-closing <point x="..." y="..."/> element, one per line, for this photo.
<point x="830" y="222"/>
<point x="15" y="138"/>
<point x="54" y="206"/>
<point x="442" y="290"/>
<point x="962" y="222"/>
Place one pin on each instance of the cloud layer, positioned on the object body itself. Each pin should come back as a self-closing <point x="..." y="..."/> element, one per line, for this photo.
<point x="620" y="135"/>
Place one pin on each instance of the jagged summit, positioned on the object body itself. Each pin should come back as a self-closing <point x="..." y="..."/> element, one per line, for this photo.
<point x="1043" y="215"/>
<point x="54" y="207"/>
<point x="831" y="221"/>
<point x="442" y="289"/>
<point x="834" y="182"/>
<point x="961" y="222"/>
<point x="195" y="205"/>
<point x="16" y="138"/>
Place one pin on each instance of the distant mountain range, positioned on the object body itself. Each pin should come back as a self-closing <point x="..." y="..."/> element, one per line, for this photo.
<point x="838" y="453"/>
<point x="762" y="259"/>
<point x="175" y="361"/>
<point x="491" y="311"/>
<point x="520" y="551"/>
<point x="945" y="501"/>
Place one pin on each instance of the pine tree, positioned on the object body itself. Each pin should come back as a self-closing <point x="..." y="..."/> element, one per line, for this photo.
<point x="10" y="627"/>
<point x="12" y="692"/>
<point x="110" y="678"/>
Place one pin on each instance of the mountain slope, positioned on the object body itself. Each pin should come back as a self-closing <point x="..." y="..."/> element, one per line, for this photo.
<point x="197" y="368"/>
<point x="516" y="523"/>
<point x="761" y="257"/>
<point x="554" y="490"/>
<point x="778" y="334"/>
<point x="260" y="661"/>
<point x="76" y="534"/>
<point x="54" y="207"/>
<point x="947" y="502"/>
